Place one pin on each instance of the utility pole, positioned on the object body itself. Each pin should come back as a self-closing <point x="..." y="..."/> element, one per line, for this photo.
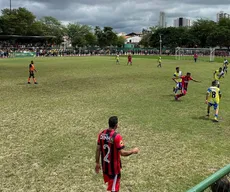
<point x="160" y="45"/>
<point x="10" y="6"/>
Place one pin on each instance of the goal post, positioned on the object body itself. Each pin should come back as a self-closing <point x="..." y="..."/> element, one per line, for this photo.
<point x="204" y="54"/>
<point x="212" y="182"/>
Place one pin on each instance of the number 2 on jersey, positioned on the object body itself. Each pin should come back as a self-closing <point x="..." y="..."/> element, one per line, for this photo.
<point x="107" y="154"/>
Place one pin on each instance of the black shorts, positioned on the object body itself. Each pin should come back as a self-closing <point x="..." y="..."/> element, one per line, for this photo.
<point x="31" y="74"/>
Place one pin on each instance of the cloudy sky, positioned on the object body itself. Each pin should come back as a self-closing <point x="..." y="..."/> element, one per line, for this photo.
<point x="122" y="15"/>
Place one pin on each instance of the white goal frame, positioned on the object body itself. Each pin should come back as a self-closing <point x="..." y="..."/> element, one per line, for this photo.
<point x="181" y="53"/>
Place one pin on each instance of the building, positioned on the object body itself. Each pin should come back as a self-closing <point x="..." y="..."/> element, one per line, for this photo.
<point x="133" y="38"/>
<point x="182" y="22"/>
<point x="162" y="20"/>
<point x="221" y="15"/>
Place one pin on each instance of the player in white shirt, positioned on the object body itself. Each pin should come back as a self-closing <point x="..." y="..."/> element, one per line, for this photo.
<point x="117" y="59"/>
<point x="225" y="66"/>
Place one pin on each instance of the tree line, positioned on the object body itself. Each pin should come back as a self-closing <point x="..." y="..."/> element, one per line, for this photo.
<point x="203" y="33"/>
<point x="24" y="23"/>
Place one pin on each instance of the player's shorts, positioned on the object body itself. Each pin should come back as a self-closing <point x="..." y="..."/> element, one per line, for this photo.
<point x="113" y="182"/>
<point x="215" y="105"/>
<point x="179" y="85"/>
<point x="183" y="91"/>
<point x="31" y="74"/>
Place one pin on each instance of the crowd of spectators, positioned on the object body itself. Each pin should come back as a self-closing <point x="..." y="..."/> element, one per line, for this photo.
<point x="8" y="49"/>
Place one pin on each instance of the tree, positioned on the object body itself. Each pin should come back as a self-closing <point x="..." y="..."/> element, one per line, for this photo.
<point x="147" y="34"/>
<point x="145" y="41"/>
<point x="37" y="29"/>
<point x="171" y="37"/>
<point x="224" y="26"/>
<point x="110" y="36"/>
<point x="105" y="37"/>
<point x="17" y="21"/>
<point x="202" y="29"/>
<point x="81" y="35"/>
<point x="90" y="39"/>
<point x="99" y="36"/>
<point x="120" y="41"/>
<point x="53" y="27"/>
<point x="219" y="37"/>
<point x="224" y="22"/>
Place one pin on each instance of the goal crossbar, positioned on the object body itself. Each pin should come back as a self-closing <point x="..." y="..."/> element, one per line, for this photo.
<point x="181" y="53"/>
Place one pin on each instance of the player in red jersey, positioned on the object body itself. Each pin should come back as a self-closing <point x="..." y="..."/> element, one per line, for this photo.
<point x="195" y="57"/>
<point x="185" y="80"/>
<point x="129" y="60"/>
<point x="110" y="146"/>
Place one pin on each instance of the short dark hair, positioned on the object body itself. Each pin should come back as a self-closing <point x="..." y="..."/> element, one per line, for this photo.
<point x="113" y="121"/>
<point x="177" y="67"/>
<point x="32" y="62"/>
<point x="214" y="83"/>
<point x="188" y="73"/>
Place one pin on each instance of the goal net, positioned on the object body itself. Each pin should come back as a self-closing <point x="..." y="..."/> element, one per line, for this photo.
<point x="203" y="54"/>
<point x="217" y="182"/>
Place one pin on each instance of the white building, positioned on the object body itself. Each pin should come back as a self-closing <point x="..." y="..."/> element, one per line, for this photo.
<point x="221" y="15"/>
<point x="182" y="22"/>
<point x="133" y="38"/>
<point x="162" y="20"/>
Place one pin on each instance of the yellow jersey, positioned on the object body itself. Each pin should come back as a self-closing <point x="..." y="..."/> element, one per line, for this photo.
<point x="159" y="59"/>
<point x="213" y="95"/>
<point x="117" y="57"/>
<point x="218" y="75"/>
<point x="178" y="76"/>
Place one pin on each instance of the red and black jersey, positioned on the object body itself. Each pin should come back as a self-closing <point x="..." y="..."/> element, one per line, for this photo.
<point x="129" y="57"/>
<point x="185" y="80"/>
<point x="110" y="143"/>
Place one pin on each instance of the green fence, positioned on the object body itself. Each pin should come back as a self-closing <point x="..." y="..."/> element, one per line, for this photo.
<point x="205" y="184"/>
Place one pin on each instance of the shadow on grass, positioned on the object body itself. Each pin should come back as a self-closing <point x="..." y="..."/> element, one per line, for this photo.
<point x="173" y="98"/>
<point x="201" y="118"/>
<point x="168" y="95"/>
<point x="176" y="101"/>
<point x="204" y="118"/>
<point x="25" y="83"/>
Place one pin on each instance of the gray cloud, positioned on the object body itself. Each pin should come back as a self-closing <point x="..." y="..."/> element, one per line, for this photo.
<point x="122" y="15"/>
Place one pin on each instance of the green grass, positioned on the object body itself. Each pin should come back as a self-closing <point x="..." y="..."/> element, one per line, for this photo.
<point x="48" y="131"/>
<point x="183" y="58"/>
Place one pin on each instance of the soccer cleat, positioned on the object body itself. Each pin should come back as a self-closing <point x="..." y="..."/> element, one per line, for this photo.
<point x="35" y="83"/>
<point x="176" y="98"/>
<point x="28" y="82"/>
<point x="215" y="119"/>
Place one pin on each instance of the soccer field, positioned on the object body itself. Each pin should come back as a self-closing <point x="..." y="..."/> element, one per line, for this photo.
<point x="48" y="131"/>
